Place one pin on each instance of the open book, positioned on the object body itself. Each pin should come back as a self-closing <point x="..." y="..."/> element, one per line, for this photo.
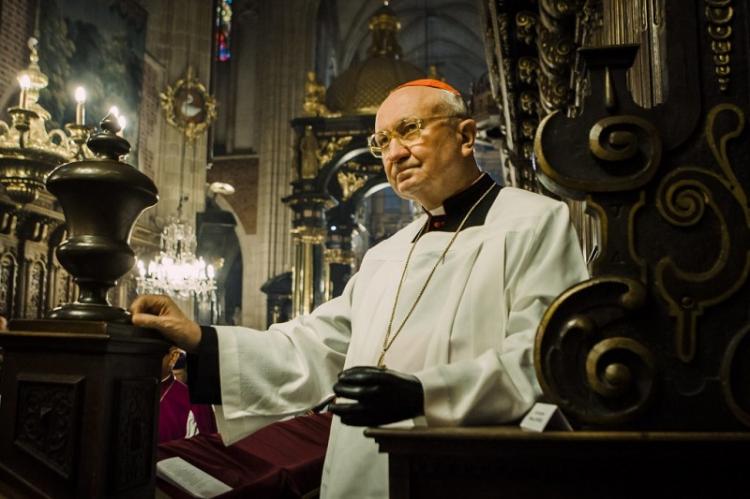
<point x="187" y="477"/>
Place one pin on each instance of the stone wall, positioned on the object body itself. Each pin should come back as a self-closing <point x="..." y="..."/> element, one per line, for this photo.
<point x="16" y="22"/>
<point x="285" y="48"/>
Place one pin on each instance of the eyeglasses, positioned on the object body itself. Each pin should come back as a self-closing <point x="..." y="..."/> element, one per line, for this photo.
<point x="407" y="132"/>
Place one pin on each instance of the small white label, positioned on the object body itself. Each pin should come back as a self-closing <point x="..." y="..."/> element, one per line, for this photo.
<point x="187" y="477"/>
<point x="543" y="417"/>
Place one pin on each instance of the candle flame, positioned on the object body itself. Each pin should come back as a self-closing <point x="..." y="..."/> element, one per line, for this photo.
<point x="80" y="95"/>
<point x="24" y="81"/>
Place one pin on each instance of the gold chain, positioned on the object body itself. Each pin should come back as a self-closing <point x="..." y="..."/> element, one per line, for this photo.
<point x="168" y="388"/>
<point x="386" y="343"/>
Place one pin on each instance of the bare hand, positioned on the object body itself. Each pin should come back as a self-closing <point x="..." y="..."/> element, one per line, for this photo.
<point x="161" y="313"/>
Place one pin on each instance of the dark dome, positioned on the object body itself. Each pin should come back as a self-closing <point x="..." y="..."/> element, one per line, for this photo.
<point x="364" y="85"/>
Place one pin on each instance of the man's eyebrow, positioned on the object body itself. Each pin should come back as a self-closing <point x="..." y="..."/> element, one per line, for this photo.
<point x="396" y="124"/>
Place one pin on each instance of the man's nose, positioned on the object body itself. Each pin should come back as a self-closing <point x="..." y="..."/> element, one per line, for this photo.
<point x="396" y="151"/>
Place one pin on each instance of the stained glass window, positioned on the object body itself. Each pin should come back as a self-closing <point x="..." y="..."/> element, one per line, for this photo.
<point x="223" y="29"/>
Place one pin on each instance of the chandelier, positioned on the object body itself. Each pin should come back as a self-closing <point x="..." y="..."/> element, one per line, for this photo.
<point x="176" y="271"/>
<point x="28" y="152"/>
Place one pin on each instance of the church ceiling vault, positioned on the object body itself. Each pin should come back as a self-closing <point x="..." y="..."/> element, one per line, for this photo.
<point x="441" y="33"/>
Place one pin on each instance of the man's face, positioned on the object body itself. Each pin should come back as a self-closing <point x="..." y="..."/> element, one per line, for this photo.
<point x="429" y="170"/>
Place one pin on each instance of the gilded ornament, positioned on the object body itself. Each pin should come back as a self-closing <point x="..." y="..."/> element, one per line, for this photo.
<point x="433" y="73"/>
<point x="330" y="147"/>
<point x="339" y="256"/>
<point x="309" y="235"/>
<point x="350" y="182"/>
<point x="683" y="198"/>
<point x="527" y="150"/>
<point x="528" y="129"/>
<point x="188" y="106"/>
<point x="559" y="8"/>
<point x="315" y="95"/>
<point x="553" y="93"/>
<point x="528" y="68"/>
<point x="719" y="14"/>
<point x="372" y="169"/>
<point x="529" y="103"/>
<point x="308" y="149"/>
<point x="28" y="152"/>
<point x="526" y="27"/>
<point x="556" y="51"/>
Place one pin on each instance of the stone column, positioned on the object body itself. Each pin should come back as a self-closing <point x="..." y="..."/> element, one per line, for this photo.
<point x="179" y="35"/>
<point x="285" y="40"/>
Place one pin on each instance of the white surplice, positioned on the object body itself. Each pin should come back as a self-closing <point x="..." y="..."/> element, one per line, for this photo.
<point x="469" y="340"/>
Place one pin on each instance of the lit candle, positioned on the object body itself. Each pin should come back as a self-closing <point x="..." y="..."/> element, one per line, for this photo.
<point x="25" y="83"/>
<point x="114" y="111"/>
<point x="123" y="122"/>
<point x="80" y="97"/>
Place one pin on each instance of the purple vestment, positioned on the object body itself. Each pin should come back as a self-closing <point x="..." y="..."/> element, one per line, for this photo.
<point x="178" y="418"/>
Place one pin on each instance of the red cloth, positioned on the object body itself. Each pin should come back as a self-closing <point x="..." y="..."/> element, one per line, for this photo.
<point x="174" y="407"/>
<point x="429" y="82"/>
<point x="282" y="460"/>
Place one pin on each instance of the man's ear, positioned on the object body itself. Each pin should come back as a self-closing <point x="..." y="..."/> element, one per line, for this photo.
<point x="468" y="130"/>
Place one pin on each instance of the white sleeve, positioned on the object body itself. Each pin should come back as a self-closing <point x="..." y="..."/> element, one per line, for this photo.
<point x="499" y="386"/>
<point x="191" y="426"/>
<point x="271" y="375"/>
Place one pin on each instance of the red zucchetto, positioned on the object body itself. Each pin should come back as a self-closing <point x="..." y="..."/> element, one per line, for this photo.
<point x="428" y="82"/>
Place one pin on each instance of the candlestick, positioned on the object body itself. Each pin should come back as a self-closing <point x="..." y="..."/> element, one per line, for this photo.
<point x="25" y="83"/>
<point x="122" y="121"/>
<point x="80" y="96"/>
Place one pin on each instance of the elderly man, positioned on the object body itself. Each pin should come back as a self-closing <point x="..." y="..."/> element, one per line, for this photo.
<point x="436" y="327"/>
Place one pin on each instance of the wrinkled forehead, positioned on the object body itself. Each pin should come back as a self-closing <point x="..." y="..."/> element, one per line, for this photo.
<point x="407" y="102"/>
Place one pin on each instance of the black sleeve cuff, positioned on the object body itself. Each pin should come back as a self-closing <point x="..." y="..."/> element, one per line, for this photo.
<point x="203" y="369"/>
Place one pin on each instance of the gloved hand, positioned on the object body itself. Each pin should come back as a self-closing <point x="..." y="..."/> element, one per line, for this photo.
<point x="381" y="396"/>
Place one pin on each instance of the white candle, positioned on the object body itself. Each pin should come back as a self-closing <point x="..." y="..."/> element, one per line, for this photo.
<point x="25" y="83"/>
<point x="80" y="97"/>
<point x="123" y="122"/>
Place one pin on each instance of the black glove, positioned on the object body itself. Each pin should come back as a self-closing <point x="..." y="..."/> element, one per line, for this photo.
<point x="382" y="396"/>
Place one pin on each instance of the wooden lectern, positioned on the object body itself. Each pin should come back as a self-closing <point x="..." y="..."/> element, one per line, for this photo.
<point x="503" y="461"/>
<point x="79" y="409"/>
<point x="80" y="399"/>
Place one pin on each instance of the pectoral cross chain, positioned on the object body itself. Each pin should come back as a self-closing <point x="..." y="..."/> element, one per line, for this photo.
<point x="381" y="360"/>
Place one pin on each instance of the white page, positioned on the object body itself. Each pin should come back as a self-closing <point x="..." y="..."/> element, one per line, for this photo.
<point x="187" y="477"/>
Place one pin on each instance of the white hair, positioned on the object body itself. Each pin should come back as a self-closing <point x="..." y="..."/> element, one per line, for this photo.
<point x="453" y="104"/>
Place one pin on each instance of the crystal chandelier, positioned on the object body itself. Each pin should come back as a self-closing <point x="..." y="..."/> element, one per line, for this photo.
<point x="28" y="152"/>
<point x="176" y="271"/>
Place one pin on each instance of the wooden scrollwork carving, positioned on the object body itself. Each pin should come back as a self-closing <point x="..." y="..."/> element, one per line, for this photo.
<point x="658" y="338"/>
<point x="588" y="358"/>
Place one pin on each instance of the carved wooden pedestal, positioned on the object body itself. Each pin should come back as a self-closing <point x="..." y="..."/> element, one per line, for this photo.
<point x="79" y="409"/>
<point x="507" y="462"/>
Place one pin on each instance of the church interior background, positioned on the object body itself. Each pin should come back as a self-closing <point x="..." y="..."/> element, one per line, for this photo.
<point x="254" y="60"/>
<point x="251" y="118"/>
